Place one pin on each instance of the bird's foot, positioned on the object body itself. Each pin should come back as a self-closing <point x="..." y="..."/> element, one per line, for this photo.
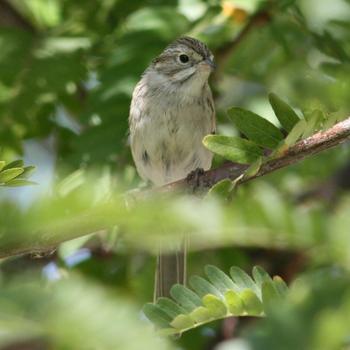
<point x="194" y="179"/>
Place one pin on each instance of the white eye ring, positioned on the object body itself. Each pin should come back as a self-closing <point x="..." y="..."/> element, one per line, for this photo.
<point x="183" y="58"/>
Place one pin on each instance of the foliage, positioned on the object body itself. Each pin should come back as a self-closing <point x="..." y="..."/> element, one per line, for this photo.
<point x="67" y="71"/>
<point x="14" y="174"/>
<point x="221" y="297"/>
<point x="36" y="310"/>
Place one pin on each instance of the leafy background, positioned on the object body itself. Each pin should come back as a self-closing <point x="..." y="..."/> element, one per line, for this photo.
<point x="67" y="71"/>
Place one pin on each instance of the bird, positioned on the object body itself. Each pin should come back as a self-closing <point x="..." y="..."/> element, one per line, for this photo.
<point x="171" y="111"/>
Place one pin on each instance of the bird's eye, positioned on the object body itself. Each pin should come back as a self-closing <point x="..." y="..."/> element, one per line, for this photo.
<point x="183" y="58"/>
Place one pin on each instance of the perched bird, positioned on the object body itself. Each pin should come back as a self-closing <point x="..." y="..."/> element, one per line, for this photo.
<point x="171" y="111"/>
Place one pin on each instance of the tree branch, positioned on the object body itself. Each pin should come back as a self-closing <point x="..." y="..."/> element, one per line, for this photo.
<point x="314" y="144"/>
<point x="9" y="16"/>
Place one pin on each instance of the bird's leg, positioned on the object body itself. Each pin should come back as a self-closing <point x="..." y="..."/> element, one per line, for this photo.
<point x="194" y="179"/>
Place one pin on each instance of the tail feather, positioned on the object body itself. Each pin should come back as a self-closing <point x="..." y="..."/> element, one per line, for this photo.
<point x="171" y="269"/>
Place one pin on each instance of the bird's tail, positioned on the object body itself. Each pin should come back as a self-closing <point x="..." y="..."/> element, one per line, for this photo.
<point x="171" y="269"/>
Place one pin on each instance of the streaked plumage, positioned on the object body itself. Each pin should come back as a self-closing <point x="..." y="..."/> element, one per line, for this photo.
<point x="171" y="111"/>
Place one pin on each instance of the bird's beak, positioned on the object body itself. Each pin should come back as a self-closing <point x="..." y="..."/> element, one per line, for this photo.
<point x="210" y="63"/>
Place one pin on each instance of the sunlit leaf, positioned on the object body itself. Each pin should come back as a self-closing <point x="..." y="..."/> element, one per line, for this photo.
<point x="251" y="302"/>
<point x="19" y="183"/>
<point x="215" y="305"/>
<point x="234" y="303"/>
<point x="182" y="322"/>
<point x="15" y="164"/>
<point x="9" y="174"/>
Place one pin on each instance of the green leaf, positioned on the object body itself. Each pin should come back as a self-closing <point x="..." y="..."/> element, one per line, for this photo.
<point x="260" y="276"/>
<point x="296" y="133"/>
<point x="313" y="123"/>
<point x="185" y="297"/>
<point x="253" y="168"/>
<point x="201" y="314"/>
<point x="27" y="171"/>
<point x="331" y="120"/>
<point x="156" y="315"/>
<point x="284" y="113"/>
<point x="221" y="188"/>
<point x="251" y="302"/>
<point x="170" y="307"/>
<point x="9" y="174"/>
<point x="2" y="164"/>
<point x="215" y="305"/>
<point x="219" y="279"/>
<point x="280" y="285"/>
<point x="242" y="279"/>
<point x="182" y="322"/>
<point x="202" y="287"/>
<point x="233" y="148"/>
<point x="256" y="128"/>
<point x="19" y="183"/>
<point x="167" y="332"/>
<point x="15" y="164"/>
<point x="269" y="294"/>
<point x="221" y="298"/>
<point x="234" y="303"/>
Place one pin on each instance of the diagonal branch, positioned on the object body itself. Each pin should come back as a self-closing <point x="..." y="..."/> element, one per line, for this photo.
<point x="316" y="143"/>
<point x="10" y="17"/>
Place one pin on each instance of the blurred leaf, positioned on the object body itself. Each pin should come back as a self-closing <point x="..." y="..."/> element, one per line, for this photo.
<point x="9" y="174"/>
<point x="15" y="164"/>
<point x="314" y="123"/>
<point x="296" y="133"/>
<point x="19" y="182"/>
<point x="28" y="171"/>
<point x="328" y="44"/>
<point x="32" y="309"/>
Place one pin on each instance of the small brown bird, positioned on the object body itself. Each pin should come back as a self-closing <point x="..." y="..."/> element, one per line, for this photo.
<point x="171" y="111"/>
